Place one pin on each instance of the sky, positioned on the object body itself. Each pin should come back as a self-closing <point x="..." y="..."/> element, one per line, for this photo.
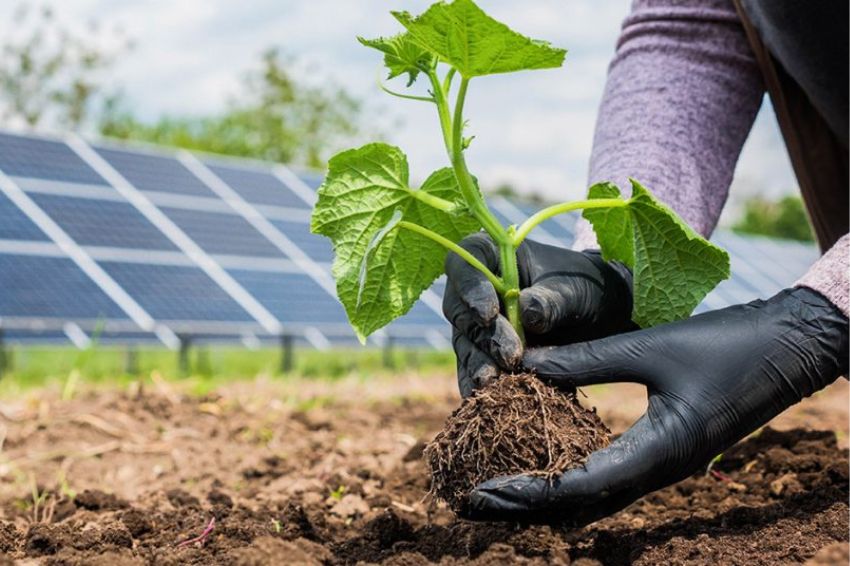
<point x="533" y="130"/>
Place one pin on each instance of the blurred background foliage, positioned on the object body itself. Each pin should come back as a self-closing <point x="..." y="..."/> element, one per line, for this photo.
<point x="51" y="76"/>
<point x="784" y="218"/>
<point x="279" y="120"/>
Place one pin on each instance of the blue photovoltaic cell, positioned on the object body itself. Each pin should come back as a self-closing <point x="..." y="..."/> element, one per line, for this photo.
<point x="312" y="180"/>
<point x="92" y="222"/>
<point x="176" y="292"/>
<point x="775" y="264"/>
<point x="51" y="287"/>
<point x="422" y="314"/>
<point x="222" y="233"/>
<point x="317" y="247"/>
<point x="291" y="297"/>
<point x="15" y="225"/>
<point x="149" y="172"/>
<point x="439" y="287"/>
<point x="562" y="235"/>
<point x="44" y="159"/>
<point x="257" y="186"/>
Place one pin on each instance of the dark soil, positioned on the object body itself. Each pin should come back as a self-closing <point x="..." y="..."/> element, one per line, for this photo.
<point x="282" y="491"/>
<point x="516" y="425"/>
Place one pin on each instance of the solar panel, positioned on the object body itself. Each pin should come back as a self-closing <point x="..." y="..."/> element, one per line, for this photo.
<point x="292" y="297"/>
<point x="243" y="234"/>
<point x="317" y="247"/>
<point x="219" y="233"/>
<point x="15" y="225"/>
<point x="51" y="287"/>
<point x="171" y="292"/>
<point x="43" y="159"/>
<point x="148" y="172"/>
<point x="258" y="186"/>
<point x="312" y="180"/>
<point x="93" y="222"/>
<point x="420" y="315"/>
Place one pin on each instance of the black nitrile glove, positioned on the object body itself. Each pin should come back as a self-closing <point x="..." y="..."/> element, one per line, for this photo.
<point x="566" y="297"/>
<point x="711" y="380"/>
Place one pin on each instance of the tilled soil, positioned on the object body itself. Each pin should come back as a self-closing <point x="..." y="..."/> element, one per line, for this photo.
<point x="126" y="478"/>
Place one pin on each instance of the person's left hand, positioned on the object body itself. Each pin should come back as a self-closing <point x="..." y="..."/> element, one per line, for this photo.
<point x="711" y="380"/>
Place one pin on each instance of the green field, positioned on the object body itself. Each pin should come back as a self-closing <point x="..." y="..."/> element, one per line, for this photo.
<point x="38" y="366"/>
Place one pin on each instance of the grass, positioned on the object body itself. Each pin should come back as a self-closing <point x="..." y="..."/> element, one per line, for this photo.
<point x="39" y="366"/>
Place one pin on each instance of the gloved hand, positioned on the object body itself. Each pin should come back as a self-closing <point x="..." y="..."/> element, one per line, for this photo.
<point x="711" y="380"/>
<point x="566" y="297"/>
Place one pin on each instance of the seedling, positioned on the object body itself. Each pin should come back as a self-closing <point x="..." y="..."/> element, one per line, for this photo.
<point x="391" y="239"/>
<point x="338" y="492"/>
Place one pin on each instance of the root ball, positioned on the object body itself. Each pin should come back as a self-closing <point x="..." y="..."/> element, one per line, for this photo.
<point x="516" y="425"/>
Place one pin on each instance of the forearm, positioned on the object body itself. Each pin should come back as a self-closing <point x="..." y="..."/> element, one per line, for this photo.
<point x="830" y="275"/>
<point x="682" y="93"/>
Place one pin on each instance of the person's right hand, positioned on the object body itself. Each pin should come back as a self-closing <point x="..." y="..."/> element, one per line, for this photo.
<point x="566" y="297"/>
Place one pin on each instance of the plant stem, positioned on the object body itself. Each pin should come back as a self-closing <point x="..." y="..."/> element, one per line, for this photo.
<point x="451" y="246"/>
<point x="452" y="127"/>
<point x="510" y="277"/>
<point x="464" y="179"/>
<point x="548" y="212"/>
<point x="434" y="201"/>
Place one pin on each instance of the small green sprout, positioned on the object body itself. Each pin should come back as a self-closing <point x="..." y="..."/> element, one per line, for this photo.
<point x="338" y="492"/>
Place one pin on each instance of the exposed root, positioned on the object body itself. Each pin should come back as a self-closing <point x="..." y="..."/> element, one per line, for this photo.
<point x="517" y="425"/>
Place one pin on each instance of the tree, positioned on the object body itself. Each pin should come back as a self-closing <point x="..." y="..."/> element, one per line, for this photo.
<point x="278" y="120"/>
<point x="785" y="218"/>
<point x="47" y="73"/>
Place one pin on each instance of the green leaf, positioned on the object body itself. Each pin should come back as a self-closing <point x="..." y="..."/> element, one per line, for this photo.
<point x="401" y="55"/>
<point x="616" y="241"/>
<point x="674" y="267"/>
<point x="380" y="268"/>
<point x="462" y="35"/>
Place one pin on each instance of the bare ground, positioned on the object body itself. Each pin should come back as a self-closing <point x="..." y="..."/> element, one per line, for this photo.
<point x="303" y="472"/>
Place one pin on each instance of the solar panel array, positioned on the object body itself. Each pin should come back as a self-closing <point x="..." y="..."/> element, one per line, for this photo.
<point x="136" y="244"/>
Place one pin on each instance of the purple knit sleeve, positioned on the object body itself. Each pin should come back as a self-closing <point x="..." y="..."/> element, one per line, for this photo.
<point x="682" y="93"/>
<point x="830" y="275"/>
